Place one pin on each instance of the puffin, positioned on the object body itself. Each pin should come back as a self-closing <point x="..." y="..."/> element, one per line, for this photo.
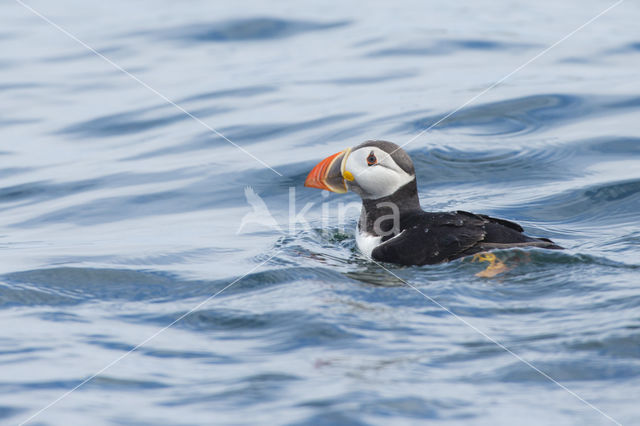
<point x="393" y="227"/>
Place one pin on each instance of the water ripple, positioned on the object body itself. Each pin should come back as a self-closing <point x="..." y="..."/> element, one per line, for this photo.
<point x="243" y="30"/>
<point x="522" y="116"/>
<point x="448" y="47"/>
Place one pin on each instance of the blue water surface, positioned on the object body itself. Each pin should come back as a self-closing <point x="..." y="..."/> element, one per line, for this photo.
<point x="123" y="211"/>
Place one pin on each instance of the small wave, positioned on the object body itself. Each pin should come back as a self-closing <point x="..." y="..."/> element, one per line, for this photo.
<point x="568" y="370"/>
<point x="601" y="203"/>
<point x="513" y="116"/>
<point x="633" y="47"/>
<point x="448" y="46"/>
<point x="239" y="92"/>
<point x="243" y="30"/>
<point x="131" y="122"/>
<point x="249" y="133"/>
<point x="73" y="285"/>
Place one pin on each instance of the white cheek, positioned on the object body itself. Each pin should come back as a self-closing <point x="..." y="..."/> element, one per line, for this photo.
<point x="378" y="183"/>
<point x="375" y="181"/>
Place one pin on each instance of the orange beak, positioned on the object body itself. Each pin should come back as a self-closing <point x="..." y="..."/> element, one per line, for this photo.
<point x="328" y="174"/>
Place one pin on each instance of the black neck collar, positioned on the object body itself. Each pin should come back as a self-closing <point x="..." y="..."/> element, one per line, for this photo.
<point x="377" y="216"/>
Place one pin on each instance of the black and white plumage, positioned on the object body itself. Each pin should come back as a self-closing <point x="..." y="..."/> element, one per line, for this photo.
<point x="393" y="227"/>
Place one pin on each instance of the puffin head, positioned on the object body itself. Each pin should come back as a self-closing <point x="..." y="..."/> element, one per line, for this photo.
<point x="373" y="169"/>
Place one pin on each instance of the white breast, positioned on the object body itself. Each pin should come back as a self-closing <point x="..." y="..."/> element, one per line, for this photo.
<point x="366" y="242"/>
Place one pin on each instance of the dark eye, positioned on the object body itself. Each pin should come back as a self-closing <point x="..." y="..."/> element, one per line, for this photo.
<point x="371" y="159"/>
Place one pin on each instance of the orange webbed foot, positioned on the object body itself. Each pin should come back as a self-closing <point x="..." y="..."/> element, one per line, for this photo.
<point x="496" y="266"/>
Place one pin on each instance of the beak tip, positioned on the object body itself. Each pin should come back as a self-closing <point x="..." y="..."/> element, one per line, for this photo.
<point x="311" y="182"/>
